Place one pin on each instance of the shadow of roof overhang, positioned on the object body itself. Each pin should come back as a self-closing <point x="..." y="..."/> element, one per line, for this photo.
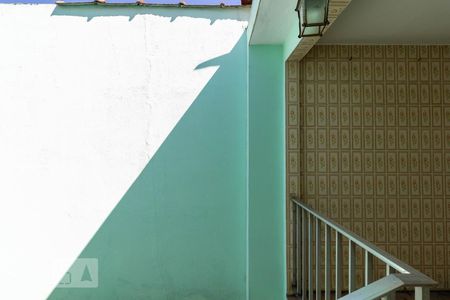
<point x="181" y="4"/>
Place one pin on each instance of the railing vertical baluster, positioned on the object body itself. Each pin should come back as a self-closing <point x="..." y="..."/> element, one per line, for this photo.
<point x="307" y="229"/>
<point x="389" y="270"/>
<point x="338" y="266"/>
<point x="368" y="267"/>
<point x="351" y="266"/>
<point x="304" y="251"/>
<point x="310" y="260"/>
<point x="421" y="293"/>
<point x="295" y="245"/>
<point x="318" y="260"/>
<point x="390" y="296"/>
<point x="327" y="261"/>
<point x="298" y="244"/>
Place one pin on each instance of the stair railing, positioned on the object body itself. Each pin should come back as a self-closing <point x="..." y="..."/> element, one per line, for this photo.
<point x="309" y="286"/>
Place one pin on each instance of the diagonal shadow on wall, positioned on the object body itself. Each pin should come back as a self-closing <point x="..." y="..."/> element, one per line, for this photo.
<point x="180" y="230"/>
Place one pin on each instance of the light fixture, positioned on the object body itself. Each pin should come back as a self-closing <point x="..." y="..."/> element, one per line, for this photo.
<point x="312" y="16"/>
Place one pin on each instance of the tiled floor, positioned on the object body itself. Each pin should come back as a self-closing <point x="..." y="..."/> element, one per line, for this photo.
<point x="444" y="295"/>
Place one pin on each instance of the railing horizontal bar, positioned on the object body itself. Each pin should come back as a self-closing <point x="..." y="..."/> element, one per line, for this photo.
<point x="413" y="280"/>
<point x="368" y="246"/>
<point x="376" y="289"/>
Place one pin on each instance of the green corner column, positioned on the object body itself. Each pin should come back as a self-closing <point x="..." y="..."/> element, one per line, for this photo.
<point x="266" y="186"/>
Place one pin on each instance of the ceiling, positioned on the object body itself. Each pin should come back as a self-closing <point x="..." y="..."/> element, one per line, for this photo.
<point x="391" y="22"/>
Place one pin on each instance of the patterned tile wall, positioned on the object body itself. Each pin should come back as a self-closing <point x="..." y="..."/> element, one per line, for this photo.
<point x="292" y="158"/>
<point x="368" y="133"/>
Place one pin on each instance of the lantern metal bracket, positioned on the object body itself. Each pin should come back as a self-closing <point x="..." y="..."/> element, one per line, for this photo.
<point x="303" y="21"/>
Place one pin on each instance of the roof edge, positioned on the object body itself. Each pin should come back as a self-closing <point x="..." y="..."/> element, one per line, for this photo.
<point x="182" y="4"/>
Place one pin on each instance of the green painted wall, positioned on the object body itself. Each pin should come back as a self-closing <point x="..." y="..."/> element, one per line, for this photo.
<point x="206" y="217"/>
<point x="291" y="42"/>
<point x="266" y="222"/>
<point x="180" y="230"/>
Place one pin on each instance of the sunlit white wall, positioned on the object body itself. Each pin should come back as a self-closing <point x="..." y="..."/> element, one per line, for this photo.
<point x="84" y="105"/>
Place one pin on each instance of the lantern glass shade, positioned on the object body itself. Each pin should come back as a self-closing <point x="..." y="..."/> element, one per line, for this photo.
<point x="313" y="16"/>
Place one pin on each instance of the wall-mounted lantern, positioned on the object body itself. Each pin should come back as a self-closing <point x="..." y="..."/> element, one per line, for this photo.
<point x="312" y="16"/>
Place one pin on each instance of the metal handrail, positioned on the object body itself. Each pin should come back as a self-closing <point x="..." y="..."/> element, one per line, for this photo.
<point x="407" y="276"/>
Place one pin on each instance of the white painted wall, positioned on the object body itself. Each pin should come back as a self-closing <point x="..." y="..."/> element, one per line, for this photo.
<point x="84" y="105"/>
